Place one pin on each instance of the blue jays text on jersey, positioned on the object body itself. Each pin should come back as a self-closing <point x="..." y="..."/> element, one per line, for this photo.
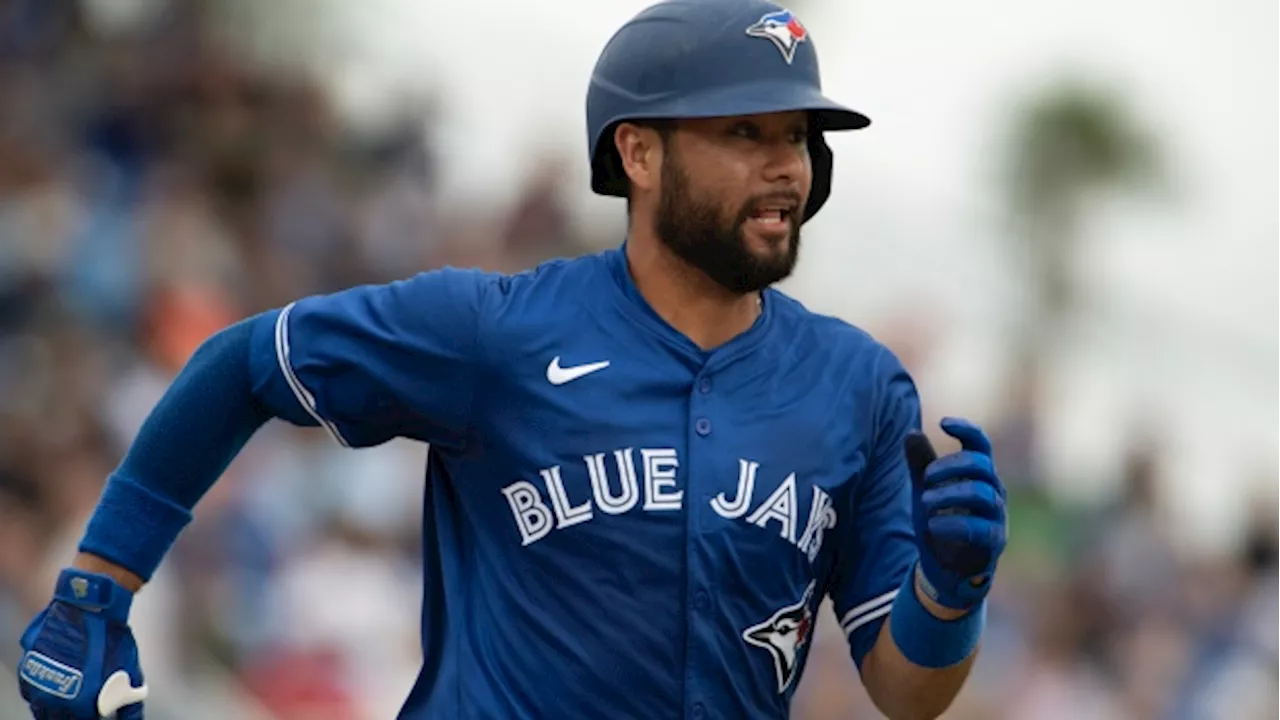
<point x="617" y="523"/>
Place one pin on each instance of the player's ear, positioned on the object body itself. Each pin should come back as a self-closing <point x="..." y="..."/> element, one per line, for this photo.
<point x="640" y="149"/>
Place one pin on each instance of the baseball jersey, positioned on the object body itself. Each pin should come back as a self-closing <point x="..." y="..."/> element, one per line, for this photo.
<point x="617" y="523"/>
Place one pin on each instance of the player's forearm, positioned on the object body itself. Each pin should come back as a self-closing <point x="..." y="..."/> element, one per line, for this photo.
<point x="903" y="690"/>
<point x="200" y="425"/>
<point x="907" y="690"/>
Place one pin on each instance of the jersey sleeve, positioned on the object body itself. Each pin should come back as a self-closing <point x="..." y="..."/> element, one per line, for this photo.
<point x="878" y="547"/>
<point x="376" y="362"/>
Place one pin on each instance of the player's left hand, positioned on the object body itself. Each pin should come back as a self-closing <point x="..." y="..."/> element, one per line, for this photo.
<point x="958" y="508"/>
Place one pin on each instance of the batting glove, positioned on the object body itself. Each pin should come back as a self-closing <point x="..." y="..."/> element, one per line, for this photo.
<point x="81" y="662"/>
<point x="959" y="515"/>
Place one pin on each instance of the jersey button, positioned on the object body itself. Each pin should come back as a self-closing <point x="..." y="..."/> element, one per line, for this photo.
<point x="702" y="427"/>
<point x="699" y="711"/>
<point x="704" y="385"/>
<point x="701" y="600"/>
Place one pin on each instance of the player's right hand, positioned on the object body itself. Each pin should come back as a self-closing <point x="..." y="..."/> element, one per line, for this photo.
<point x="80" y="660"/>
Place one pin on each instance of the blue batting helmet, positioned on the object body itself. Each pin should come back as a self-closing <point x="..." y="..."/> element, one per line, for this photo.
<point x="709" y="58"/>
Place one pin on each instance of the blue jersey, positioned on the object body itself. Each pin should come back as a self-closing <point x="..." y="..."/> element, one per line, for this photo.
<point x="617" y="523"/>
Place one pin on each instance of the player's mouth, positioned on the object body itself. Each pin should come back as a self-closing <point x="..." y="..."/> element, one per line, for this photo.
<point x="772" y="219"/>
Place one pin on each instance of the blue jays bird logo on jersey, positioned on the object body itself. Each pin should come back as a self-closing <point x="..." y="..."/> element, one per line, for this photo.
<point x="783" y="28"/>
<point x="784" y="635"/>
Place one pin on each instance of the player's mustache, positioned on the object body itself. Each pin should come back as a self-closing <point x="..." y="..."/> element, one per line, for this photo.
<point x="788" y="198"/>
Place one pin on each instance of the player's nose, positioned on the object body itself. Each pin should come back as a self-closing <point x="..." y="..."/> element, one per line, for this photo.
<point x="786" y="165"/>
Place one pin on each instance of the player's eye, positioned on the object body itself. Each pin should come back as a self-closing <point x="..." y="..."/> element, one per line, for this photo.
<point x="800" y="137"/>
<point x="745" y="130"/>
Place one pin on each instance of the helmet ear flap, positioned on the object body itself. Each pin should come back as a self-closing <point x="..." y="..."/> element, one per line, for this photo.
<point x="822" y="161"/>
<point x="607" y="174"/>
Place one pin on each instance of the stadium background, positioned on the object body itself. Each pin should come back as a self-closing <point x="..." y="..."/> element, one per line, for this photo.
<point x="1064" y="220"/>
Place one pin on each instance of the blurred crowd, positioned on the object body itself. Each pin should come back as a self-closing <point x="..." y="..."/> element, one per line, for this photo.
<point x="1095" y="615"/>
<point x="155" y="186"/>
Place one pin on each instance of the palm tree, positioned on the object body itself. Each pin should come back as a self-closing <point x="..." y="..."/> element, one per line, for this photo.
<point x="1068" y="143"/>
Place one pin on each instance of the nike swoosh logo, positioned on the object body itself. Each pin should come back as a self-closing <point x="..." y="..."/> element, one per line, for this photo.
<point x="557" y="375"/>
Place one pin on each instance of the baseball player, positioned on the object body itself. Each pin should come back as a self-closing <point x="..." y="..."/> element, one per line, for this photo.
<point x="647" y="467"/>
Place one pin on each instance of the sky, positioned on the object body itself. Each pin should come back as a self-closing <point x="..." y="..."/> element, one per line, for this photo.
<point x="1181" y="324"/>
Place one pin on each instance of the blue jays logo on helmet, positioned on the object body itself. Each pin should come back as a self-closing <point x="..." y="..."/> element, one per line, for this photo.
<point x="783" y="28"/>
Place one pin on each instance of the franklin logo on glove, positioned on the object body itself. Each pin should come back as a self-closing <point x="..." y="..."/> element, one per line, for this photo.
<point x="51" y="676"/>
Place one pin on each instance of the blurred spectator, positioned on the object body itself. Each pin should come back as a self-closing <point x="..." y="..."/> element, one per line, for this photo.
<point x="1133" y="554"/>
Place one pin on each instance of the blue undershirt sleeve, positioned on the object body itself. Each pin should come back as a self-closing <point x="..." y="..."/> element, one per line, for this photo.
<point x="200" y="424"/>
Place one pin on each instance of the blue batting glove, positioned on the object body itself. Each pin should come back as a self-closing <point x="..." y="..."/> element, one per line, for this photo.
<point x="81" y="662"/>
<point x="959" y="514"/>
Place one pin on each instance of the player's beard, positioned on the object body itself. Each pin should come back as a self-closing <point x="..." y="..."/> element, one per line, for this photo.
<point x="696" y="233"/>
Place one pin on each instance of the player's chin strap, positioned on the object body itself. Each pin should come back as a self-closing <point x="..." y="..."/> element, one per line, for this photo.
<point x="118" y="692"/>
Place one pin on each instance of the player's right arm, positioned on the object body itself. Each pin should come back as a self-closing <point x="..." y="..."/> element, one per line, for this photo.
<point x="366" y="364"/>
